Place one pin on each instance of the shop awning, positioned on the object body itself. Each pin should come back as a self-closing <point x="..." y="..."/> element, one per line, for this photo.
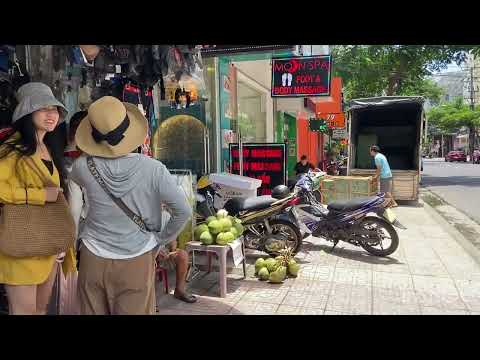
<point x="217" y="50"/>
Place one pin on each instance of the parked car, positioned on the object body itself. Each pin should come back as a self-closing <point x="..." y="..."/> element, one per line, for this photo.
<point x="456" y="155"/>
<point x="476" y="157"/>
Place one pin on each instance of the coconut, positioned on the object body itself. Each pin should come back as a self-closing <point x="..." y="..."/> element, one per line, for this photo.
<point x="199" y="230"/>
<point x="263" y="274"/>
<point x="226" y="224"/>
<point x="221" y="214"/>
<point x="215" y="227"/>
<point x="206" y="238"/>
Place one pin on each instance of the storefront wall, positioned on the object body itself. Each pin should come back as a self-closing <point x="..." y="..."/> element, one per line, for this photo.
<point x="251" y="109"/>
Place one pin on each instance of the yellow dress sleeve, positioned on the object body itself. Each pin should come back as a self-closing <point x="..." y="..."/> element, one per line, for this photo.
<point x="10" y="190"/>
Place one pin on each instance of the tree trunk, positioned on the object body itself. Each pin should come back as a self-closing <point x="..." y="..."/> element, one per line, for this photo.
<point x="391" y="86"/>
<point x="471" y="142"/>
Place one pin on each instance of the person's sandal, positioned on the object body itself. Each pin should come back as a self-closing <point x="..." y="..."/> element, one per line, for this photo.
<point x="188" y="298"/>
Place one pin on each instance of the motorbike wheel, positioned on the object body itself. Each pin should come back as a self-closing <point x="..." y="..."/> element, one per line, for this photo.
<point x="278" y="225"/>
<point x="385" y="227"/>
<point x="295" y="239"/>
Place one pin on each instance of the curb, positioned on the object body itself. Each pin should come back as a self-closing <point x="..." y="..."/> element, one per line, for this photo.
<point x="454" y="233"/>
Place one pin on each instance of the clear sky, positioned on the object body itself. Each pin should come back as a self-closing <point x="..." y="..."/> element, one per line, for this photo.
<point x="451" y="67"/>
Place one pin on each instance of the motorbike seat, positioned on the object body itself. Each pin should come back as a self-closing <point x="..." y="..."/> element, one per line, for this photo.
<point x="236" y="205"/>
<point x="350" y="205"/>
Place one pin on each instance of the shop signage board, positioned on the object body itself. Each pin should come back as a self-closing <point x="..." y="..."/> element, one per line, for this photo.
<point x="217" y="50"/>
<point x="301" y="76"/>
<point x="334" y="121"/>
<point x="339" y="133"/>
<point x="318" y="125"/>
<point x="266" y="162"/>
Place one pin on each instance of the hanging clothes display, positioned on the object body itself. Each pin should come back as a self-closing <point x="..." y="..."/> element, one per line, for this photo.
<point x="70" y="100"/>
<point x="144" y="75"/>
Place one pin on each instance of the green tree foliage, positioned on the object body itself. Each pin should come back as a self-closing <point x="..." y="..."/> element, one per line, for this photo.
<point x="426" y="88"/>
<point x="376" y="70"/>
<point x="476" y="50"/>
<point x="454" y="115"/>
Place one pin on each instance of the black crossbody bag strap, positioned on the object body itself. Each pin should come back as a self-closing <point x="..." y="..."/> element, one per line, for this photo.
<point x="134" y="217"/>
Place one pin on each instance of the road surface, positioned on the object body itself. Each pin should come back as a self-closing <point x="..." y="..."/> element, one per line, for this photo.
<point x="457" y="183"/>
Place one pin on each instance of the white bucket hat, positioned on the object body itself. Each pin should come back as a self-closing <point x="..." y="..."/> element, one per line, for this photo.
<point x="35" y="96"/>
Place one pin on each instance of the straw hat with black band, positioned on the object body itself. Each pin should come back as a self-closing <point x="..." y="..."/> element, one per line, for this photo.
<point x="111" y="129"/>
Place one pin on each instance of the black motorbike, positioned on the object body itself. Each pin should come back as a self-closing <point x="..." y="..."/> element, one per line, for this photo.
<point x="269" y="222"/>
<point x="365" y="222"/>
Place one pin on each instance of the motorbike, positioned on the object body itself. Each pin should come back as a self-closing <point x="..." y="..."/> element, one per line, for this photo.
<point x="335" y="167"/>
<point x="366" y="222"/>
<point x="269" y="222"/>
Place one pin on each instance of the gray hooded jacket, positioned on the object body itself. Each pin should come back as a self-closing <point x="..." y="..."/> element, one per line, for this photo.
<point x="144" y="185"/>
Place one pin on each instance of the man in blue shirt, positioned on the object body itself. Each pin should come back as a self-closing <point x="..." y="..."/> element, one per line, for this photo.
<point x="383" y="172"/>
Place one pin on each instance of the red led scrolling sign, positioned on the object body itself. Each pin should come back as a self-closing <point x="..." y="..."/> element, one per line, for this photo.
<point x="266" y="162"/>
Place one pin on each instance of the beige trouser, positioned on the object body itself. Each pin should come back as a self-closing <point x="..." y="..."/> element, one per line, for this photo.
<point x="116" y="287"/>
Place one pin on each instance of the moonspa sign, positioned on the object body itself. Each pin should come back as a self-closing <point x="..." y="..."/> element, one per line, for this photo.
<point x="301" y="76"/>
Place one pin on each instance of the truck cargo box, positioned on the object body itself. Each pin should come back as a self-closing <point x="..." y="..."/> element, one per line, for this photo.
<point x="395" y="124"/>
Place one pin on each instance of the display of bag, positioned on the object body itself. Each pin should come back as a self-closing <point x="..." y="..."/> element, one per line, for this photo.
<point x="50" y="229"/>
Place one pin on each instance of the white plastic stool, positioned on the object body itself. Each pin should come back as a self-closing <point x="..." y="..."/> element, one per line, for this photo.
<point x="221" y="252"/>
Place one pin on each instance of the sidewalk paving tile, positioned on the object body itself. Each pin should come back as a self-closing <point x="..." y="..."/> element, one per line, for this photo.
<point x="316" y="272"/>
<point x="296" y="310"/>
<point x="307" y="271"/>
<point x="398" y="296"/>
<point x="438" y="292"/>
<point x="327" y="312"/>
<point x="470" y="293"/>
<point x="359" y="277"/>
<point x="427" y="310"/>
<point x="311" y="286"/>
<point x="181" y="312"/>
<point x="253" y="308"/>
<point x="352" y="299"/>
<point x="233" y="295"/>
<point x="401" y="268"/>
<point x="430" y="273"/>
<point x="468" y="287"/>
<point x="381" y="307"/>
<point x="392" y="281"/>
<point x="206" y="304"/>
<point x="428" y="268"/>
<point x="265" y="295"/>
<point x="306" y="299"/>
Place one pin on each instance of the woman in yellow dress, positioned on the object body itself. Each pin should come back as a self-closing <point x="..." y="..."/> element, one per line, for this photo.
<point x="29" y="281"/>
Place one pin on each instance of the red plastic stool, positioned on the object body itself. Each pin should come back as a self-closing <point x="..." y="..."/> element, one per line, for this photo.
<point x="162" y="275"/>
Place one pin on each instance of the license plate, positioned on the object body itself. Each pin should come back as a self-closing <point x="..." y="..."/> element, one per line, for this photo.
<point x="389" y="215"/>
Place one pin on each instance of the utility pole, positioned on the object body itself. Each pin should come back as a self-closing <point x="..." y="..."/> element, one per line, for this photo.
<point x="472" y="90"/>
<point x="471" y="130"/>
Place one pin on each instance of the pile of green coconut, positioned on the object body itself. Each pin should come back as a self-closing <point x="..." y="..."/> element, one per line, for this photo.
<point x="276" y="270"/>
<point x="219" y="230"/>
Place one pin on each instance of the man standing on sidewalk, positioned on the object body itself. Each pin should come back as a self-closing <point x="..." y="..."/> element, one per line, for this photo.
<point x="384" y="172"/>
<point x="123" y="231"/>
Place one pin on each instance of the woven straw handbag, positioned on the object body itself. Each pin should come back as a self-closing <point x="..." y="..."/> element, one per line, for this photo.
<point x="33" y="230"/>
